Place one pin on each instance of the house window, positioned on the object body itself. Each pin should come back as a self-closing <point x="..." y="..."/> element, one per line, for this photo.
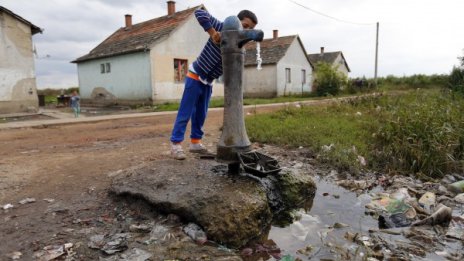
<point x="105" y="68"/>
<point x="180" y="70"/>
<point x="303" y="76"/>
<point x="288" y="78"/>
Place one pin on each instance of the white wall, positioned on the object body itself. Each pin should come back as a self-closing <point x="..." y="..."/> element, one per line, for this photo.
<point x="295" y="59"/>
<point x="260" y="84"/>
<point x="18" y="90"/>
<point x="340" y="64"/>
<point x="129" y="78"/>
<point x="186" y="42"/>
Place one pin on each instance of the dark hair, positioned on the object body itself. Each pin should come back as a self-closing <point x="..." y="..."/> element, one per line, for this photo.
<point x="247" y="13"/>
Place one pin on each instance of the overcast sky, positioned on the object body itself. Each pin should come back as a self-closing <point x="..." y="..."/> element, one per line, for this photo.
<point x="416" y="36"/>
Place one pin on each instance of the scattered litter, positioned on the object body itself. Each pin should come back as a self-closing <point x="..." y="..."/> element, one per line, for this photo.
<point x="7" y="206"/>
<point x="389" y="205"/>
<point x="195" y="232"/>
<point x="428" y="201"/>
<point x="246" y="252"/>
<point x="386" y="231"/>
<point x="54" y="251"/>
<point x="140" y="228"/>
<point x="400" y="194"/>
<point x="14" y="255"/>
<point x="394" y="220"/>
<point x="287" y="258"/>
<point x="441" y="217"/>
<point x="49" y="200"/>
<point x="340" y="225"/>
<point x="306" y="250"/>
<point x="134" y="254"/>
<point x="457" y="187"/>
<point x="459" y="198"/>
<point x="441" y="253"/>
<point x="327" y="148"/>
<point x="353" y="184"/>
<point x="157" y="234"/>
<point x="27" y="200"/>
<point x="299" y="231"/>
<point x="456" y="228"/>
<point x="362" y="160"/>
<point x="109" y="244"/>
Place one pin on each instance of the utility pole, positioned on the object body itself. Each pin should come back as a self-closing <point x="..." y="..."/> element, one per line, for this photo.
<point x="376" y="53"/>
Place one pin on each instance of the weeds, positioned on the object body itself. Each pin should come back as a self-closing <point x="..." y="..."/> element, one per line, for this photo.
<point x="416" y="133"/>
<point x="421" y="133"/>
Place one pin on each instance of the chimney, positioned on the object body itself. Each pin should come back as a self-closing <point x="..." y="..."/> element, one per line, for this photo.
<point x="171" y="7"/>
<point x="128" y="20"/>
<point x="322" y="50"/>
<point x="275" y="34"/>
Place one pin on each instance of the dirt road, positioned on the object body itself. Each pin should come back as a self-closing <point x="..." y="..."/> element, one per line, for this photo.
<point x="70" y="166"/>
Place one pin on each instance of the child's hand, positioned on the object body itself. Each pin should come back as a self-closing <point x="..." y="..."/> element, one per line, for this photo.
<point x="216" y="37"/>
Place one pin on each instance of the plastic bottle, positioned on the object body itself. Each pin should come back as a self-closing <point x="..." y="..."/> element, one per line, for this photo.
<point x="195" y="232"/>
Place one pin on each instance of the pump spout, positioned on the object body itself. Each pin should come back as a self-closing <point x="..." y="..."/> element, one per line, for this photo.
<point x="250" y="35"/>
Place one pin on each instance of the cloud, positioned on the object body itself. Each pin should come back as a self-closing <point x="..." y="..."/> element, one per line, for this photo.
<point x="416" y="36"/>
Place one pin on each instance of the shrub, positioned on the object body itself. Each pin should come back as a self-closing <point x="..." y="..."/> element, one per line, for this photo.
<point x="456" y="80"/>
<point x="414" y="81"/>
<point x="327" y="80"/>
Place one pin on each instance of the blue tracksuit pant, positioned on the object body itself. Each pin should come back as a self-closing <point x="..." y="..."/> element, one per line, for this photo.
<point x="194" y="106"/>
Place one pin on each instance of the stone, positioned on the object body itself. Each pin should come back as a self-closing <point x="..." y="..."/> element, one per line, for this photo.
<point x="231" y="209"/>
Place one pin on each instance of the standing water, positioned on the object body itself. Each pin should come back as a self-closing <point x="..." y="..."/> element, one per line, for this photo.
<point x="258" y="56"/>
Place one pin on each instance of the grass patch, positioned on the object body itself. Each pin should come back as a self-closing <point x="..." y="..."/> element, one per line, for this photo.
<point x="338" y="127"/>
<point x="418" y="132"/>
<point x="51" y="99"/>
<point x="219" y="102"/>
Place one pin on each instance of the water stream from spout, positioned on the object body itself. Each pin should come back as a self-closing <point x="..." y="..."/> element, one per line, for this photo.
<point x="258" y="56"/>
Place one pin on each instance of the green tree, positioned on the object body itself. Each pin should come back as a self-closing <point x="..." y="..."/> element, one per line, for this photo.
<point x="328" y="80"/>
<point x="456" y="78"/>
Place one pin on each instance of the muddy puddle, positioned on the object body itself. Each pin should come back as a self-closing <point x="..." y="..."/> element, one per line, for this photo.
<point x="335" y="227"/>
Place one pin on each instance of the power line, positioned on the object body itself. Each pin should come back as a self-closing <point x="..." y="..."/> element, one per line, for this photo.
<point x="328" y="16"/>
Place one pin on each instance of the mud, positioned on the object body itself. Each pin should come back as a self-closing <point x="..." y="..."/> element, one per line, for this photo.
<point x="69" y="169"/>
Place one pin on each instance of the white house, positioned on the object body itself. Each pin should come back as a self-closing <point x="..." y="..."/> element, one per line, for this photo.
<point x="336" y="59"/>
<point x="286" y="70"/>
<point x="18" y="90"/>
<point x="145" y="62"/>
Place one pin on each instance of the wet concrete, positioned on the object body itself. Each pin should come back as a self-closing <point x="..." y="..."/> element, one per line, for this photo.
<point x="232" y="209"/>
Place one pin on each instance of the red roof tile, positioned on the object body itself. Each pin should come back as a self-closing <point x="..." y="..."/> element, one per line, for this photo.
<point x="272" y="50"/>
<point x="34" y="29"/>
<point x="139" y="37"/>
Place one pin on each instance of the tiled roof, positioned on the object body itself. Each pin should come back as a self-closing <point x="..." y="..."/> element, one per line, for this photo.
<point x="138" y="37"/>
<point x="327" y="57"/>
<point x="272" y="50"/>
<point x="34" y="29"/>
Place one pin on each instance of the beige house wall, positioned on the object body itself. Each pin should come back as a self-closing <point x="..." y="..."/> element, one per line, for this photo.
<point x="186" y="42"/>
<point x="295" y="59"/>
<point x="340" y="64"/>
<point x="260" y="84"/>
<point x="18" y="90"/>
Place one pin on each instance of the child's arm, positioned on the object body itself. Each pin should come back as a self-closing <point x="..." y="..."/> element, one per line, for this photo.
<point x="209" y="24"/>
